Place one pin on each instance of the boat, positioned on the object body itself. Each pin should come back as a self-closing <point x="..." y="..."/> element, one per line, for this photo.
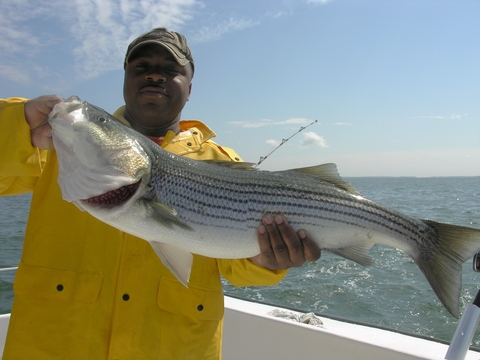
<point x="255" y="330"/>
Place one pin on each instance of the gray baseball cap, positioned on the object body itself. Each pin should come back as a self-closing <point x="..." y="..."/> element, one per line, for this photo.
<point x="174" y="42"/>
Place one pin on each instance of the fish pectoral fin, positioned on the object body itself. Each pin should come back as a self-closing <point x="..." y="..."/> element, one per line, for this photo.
<point x="177" y="260"/>
<point x="167" y="215"/>
<point x="358" y="253"/>
<point x="327" y="173"/>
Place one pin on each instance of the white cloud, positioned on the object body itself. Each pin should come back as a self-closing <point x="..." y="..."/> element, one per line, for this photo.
<point x="273" y="143"/>
<point x="440" y="117"/>
<point x="16" y="40"/>
<point x="429" y="117"/>
<point x="101" y="30"/>
<point x="17" y="34"/>
<point x="93" y="34"/>
<point x="206" y="34"/>
<point x="266" y="122"/>
<point x="105" y="28"/>
<point x="318" y="2"/>
<point x="253" y="124"/>
<point x="311" y="138"/>
<point x="299" y="121"/>
<point x="14" y="74"/>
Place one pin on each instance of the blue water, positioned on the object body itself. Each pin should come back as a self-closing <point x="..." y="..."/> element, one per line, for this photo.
<point x="13" y="217"/>
<point x="393" y="293"/>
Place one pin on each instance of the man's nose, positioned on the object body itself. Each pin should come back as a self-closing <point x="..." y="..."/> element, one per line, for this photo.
<point x="155" y="77"/>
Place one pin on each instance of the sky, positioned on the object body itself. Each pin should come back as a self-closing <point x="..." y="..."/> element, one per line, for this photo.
<point x="394" y="85"/>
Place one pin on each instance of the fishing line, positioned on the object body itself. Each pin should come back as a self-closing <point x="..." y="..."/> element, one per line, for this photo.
<point x="262" y="158"/>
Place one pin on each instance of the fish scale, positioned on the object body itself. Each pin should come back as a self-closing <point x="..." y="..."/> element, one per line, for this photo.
<point x="233" y="199"/>
<point x="182" y="206"/>
<point x="299" y="197"/>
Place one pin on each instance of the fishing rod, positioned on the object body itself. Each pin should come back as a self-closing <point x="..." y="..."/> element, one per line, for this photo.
<point x="467" y="325"/>
<point x="262" y="158"/>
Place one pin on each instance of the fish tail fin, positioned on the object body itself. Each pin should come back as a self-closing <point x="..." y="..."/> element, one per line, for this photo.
<point x="443" y="267"/>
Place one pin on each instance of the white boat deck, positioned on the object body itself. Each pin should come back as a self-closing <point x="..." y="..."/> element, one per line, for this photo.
<point x="4" y="319"/>
<point x="251" y="333"/>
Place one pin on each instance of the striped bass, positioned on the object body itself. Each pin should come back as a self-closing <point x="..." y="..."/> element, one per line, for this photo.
<point x="182" y="206"/>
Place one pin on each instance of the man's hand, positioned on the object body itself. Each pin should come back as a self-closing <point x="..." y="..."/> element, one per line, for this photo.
<point x="36" y="114"/>
<point x="283" y="248"/>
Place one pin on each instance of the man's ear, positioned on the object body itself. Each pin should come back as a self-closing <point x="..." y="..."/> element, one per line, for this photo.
<point x="189" y="91"/>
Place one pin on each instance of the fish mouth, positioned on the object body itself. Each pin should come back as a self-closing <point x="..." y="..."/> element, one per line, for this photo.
<point x="115" y="197"/>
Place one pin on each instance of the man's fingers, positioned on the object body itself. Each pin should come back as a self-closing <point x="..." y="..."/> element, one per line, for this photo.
<point x="36" y="114"/>
<point x="285" y="246"/>
<point x="312" y="251"/>
<point x="276" y="231"/>
<point x="281" y="247"/>
<point x="264" y="243"/>
<point x="294" y="256"/>
<point x="274" y="235"/>
<point x="40" y="107"/>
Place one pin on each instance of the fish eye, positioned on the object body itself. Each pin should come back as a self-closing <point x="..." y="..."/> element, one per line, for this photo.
<point x="101" y="119"/>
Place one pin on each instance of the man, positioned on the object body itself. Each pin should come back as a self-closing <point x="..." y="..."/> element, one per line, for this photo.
<point x="85" y="290"/>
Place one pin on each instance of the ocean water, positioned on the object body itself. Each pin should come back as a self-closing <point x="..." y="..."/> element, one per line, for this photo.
<point x="393" y="293"/>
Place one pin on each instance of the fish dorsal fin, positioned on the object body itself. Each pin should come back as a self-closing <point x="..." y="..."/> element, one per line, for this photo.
<point x="178" y="261"/>
<point x="327" y="173"/>
<point x="232" y="164"/>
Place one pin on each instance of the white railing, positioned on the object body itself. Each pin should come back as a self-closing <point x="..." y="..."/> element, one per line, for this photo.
<point x="4" y="318"/>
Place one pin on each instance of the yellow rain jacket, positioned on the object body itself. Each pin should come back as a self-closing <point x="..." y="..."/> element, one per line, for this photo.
<point x="85" y="290"/>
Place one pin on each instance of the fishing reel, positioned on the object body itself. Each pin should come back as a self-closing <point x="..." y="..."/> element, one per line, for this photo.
<point x="476" y="262"/>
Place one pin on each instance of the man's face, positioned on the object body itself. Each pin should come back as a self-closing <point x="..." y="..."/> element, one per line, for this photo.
<point x="155" y="90"/>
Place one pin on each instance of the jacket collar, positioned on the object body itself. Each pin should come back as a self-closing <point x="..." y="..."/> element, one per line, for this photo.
<point x="189" y="130"/>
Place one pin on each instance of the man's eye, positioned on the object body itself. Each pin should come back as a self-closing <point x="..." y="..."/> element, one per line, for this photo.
<point x="141" y="66"/>
<point x="173" y="71"/>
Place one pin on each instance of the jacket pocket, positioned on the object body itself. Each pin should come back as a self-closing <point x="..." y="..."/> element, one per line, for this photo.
<point x="193" y="301"/>
<point x="62" y="284"/>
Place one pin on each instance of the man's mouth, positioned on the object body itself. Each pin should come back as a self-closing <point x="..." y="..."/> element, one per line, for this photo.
<point x="154" y="90"/>
<point x="114" y="197"/>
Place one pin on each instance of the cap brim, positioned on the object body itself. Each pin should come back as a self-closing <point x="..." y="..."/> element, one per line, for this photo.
<point x="179" y="58"/>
